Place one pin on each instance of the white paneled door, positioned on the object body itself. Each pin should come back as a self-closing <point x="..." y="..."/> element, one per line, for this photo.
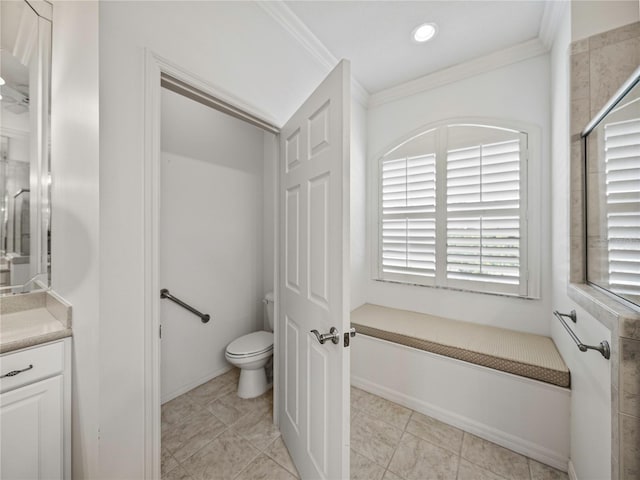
<point x="314" y="289"/>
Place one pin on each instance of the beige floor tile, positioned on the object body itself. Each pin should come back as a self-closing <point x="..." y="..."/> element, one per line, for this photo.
<point x="381" y="409"/>
<point x="470" y="471"/>
<point x="374" y="438"/>
<point x="264" y="468"/>
<point x="391" y="476"/>
<point x="356" y="395"/>
<point x="224" y="412"/>
<point x="167" y="462"/>
<point x="185" y="438"/>
<point x="498" y="459"/>
<point x="436" y="432"/>
<point x="213" y="389"/>
<point x="278" y="452"/>
<point x="177" y="473"/>
<point x="222" y="458"/>
<point x="540" y="471"/>
<point x="248" y="405"/>
<point x="179" y="408"/>
<point x="416" y="459"/>
<point x="257" y="427"/>
<point x="364" y="469"/>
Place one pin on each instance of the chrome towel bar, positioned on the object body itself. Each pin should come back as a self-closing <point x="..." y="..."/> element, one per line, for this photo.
<point x="164" y="293"/>
<point x="603" y="348"/>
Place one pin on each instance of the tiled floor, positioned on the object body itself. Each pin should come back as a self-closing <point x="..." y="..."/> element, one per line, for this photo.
<point x="210" y="433"/>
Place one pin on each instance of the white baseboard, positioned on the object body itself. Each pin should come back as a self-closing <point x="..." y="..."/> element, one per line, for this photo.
<point x="524" y="447"/>
<point x="191" y="385"/>
<point x="572" y="472"/>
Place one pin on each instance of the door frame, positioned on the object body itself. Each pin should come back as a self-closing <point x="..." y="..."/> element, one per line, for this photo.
<point x="155" y="66"/>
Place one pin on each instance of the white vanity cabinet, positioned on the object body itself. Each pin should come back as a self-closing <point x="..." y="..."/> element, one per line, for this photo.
<point x="35" y="412"/>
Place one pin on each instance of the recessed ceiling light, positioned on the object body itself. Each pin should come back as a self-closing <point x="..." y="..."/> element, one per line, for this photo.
<point x="424" y="33"/>
<point x="2" y="82"/>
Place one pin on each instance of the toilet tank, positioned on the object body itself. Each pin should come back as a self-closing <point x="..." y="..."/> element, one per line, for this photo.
<point x="268" y="304"/>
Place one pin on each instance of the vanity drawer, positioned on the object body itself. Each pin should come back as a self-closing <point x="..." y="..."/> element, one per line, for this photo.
<point x="47" y="360"/>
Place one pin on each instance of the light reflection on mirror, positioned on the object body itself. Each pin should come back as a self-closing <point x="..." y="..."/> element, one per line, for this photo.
<point x="24" y="141"/>
<point x="613" y="200"/>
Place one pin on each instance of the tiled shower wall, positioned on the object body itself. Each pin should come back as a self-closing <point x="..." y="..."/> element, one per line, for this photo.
<point x="599" y="66"/>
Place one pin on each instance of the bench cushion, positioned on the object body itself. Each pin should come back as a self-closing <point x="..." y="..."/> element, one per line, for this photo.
<point x="524" y="354"/>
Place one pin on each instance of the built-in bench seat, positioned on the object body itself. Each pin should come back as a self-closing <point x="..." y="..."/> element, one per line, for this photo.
<point x="524" y="354"/>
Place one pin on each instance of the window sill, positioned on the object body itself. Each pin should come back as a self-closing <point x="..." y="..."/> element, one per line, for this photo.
<point x="612" y="314"/>
<point x="454" y="289"/>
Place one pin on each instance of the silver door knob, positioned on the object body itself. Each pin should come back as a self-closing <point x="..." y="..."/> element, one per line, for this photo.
<point x="333" y="335"/>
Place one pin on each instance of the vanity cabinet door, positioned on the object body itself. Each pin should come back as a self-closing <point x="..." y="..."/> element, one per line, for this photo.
<point x="31" y="431"/>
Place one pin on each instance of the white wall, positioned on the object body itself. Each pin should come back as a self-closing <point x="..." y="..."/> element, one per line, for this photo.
<point x="518" y="92"/>
<point x="211" y="246"/>
<point x="75" y="222"/>
<point x="267" y="69"/>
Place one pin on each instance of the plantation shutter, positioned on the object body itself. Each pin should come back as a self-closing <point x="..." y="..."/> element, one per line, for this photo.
<point x="484" y="221"/>
<point x="453" y="210"/>
<point x="622" y="159"/>
<point x="408" y="217"/>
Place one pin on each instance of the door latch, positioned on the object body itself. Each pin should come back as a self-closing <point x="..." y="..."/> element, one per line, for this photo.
<point x="347" y="335"/>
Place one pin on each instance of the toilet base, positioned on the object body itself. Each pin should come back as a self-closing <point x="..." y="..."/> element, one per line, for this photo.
<point x="252" y="383"/>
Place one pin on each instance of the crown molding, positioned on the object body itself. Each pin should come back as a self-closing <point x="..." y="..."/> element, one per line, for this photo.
<point x="288" y="20"/>
<point x="517" y="53"/>
<point x="554" y="10"/>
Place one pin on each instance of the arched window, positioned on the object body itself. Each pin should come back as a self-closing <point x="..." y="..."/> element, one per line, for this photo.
<point x="453" y="209"/>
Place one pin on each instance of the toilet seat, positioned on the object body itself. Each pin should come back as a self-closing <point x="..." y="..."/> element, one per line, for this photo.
<point x="252" y="344"/>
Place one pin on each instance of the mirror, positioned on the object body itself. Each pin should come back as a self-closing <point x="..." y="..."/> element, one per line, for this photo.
<point x="25" y="58"/>
<point x="612" y="146"/>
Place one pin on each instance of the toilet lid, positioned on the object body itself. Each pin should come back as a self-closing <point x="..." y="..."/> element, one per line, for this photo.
<point x="256" y="342"/>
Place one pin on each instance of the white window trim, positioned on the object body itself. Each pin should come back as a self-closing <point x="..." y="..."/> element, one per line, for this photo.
<point x="531" y="210"/>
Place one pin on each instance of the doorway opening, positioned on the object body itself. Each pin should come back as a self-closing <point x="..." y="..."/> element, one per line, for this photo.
<point x="216" y="245"/>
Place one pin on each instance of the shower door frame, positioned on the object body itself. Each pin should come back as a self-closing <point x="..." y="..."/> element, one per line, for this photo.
<point x="155" y="66"/>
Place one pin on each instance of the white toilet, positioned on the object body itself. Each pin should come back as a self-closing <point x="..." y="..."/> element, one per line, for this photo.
<point x="250" y="353"/>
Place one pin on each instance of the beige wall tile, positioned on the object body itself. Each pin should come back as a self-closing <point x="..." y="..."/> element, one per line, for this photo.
<point x="580" y="116"/>
<point x="614" y="36"/>
<point x="580" y="46"/>
<point x="630" y="447"/>
<point x="630" y="377"/>
<point x="610" y="66"/>
<point x="580" y="76"/>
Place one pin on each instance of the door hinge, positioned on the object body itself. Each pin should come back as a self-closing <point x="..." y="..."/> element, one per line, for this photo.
<point x="160" y="331"/>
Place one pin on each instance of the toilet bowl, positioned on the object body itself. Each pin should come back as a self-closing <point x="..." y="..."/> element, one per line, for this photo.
<point x="250" y="353"/>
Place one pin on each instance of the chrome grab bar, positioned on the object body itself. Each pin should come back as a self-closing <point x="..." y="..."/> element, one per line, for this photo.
<point x="603" y="348"/>
<point x="164" y="293"/>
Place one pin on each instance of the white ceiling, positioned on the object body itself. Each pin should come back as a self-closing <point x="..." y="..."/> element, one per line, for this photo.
<point x="376" y="35"/>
